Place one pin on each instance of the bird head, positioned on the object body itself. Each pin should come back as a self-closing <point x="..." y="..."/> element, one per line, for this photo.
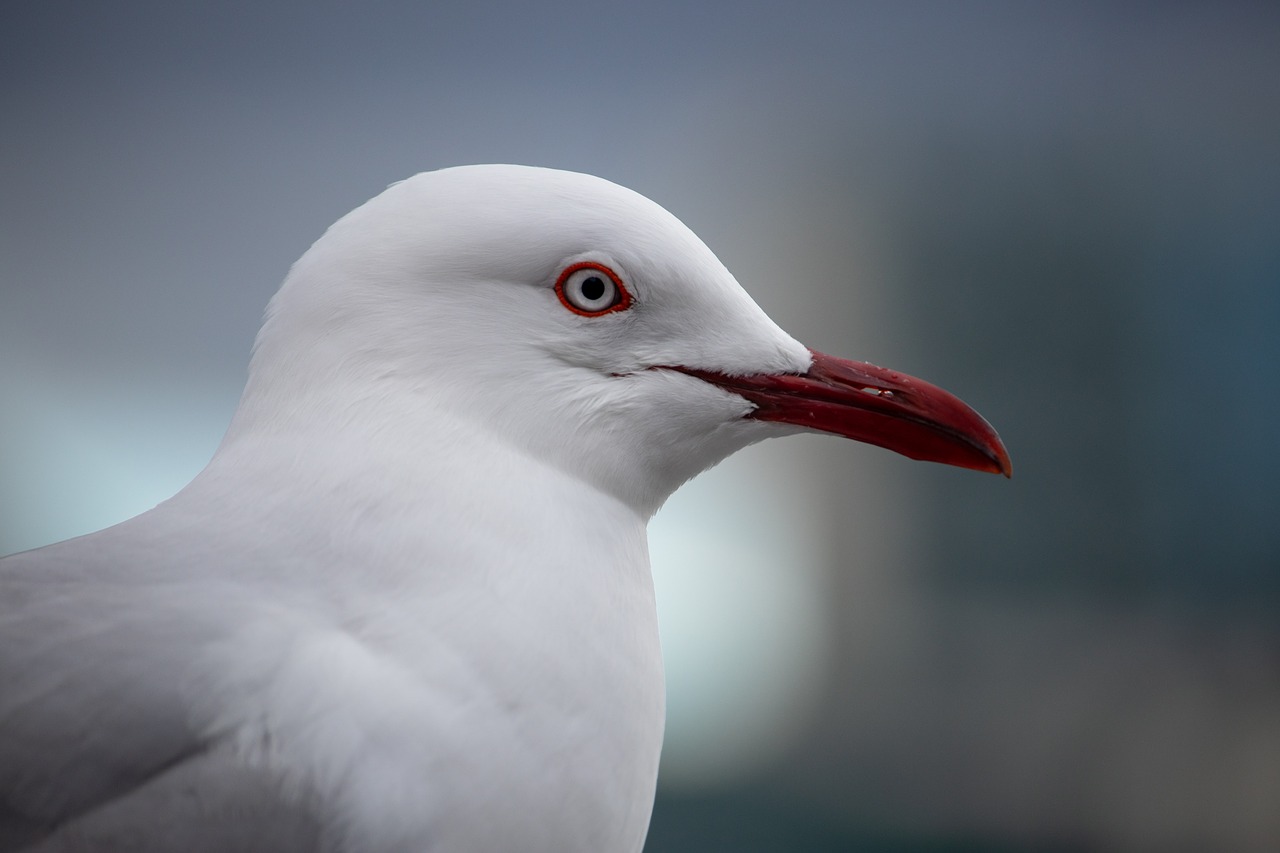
<point x="573" y="320"/>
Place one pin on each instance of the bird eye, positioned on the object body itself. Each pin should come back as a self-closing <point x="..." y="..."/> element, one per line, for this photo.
<point x="591" y="290"/>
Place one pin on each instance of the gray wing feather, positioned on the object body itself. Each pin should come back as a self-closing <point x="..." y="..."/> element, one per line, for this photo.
<point x="96" y="739"/>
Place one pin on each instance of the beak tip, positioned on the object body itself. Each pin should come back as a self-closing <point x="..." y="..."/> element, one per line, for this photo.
<point x="1004" y="464"/>
<point x="998" y="456"/>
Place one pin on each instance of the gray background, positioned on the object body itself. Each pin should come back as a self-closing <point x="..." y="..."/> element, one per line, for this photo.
<point x="1068" y="215"/>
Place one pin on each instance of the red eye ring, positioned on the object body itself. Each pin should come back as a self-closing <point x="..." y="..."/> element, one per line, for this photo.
<point x="614" y="295"/>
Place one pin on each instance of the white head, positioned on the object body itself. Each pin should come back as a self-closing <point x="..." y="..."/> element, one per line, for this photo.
<point x="534" y="305"/>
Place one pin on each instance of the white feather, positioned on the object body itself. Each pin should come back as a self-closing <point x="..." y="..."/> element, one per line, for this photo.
<point x="407" y="606"/>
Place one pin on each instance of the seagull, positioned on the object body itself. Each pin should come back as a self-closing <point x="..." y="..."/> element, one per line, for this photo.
<point x="407" y="606"/>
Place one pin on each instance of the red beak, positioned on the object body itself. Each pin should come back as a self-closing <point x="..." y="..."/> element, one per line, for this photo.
<point x="875" y="405"/>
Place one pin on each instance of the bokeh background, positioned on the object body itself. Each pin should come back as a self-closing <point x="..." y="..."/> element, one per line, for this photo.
<point x="1069" y="214"/>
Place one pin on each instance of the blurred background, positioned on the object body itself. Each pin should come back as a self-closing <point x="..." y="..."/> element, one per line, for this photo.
<point x="1069" y="215"/>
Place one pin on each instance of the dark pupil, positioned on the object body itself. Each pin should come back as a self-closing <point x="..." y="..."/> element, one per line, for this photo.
<point x="593" y="288"/>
